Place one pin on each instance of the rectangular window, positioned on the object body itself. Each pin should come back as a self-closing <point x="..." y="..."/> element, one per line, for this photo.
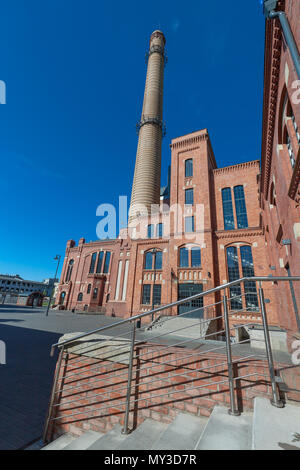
<point x="189" y="168"/>
<point x="240" y="207"/>
<point x="146" y="296"/>
<point x="248" y="271"/>
<point x="149" y="260"/>
<point x="160" y="230"/>
<point x="234" y="274"/>
<point x="150" y="231"/>
<point x="157" y="294"/>
<point x="196" y="257"/>
<point x="227" y="209"/>
<point x="100" y="260"/>
<point x="189" y="224"/>
<point x="95" y="293"/>
<point x="189" y="197"/>
<point x="184" y="258"/>
<point x="106" y="262"/>
<point x="93" y="262"/>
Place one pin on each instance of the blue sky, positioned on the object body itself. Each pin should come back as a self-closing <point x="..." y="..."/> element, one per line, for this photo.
<point x="75" y="75"/>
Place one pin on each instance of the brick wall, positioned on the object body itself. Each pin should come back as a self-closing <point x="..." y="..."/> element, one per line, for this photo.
<point x="166" y="383"/>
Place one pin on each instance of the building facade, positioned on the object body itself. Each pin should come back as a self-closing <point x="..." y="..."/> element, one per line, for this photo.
<point x="279" y="187"/>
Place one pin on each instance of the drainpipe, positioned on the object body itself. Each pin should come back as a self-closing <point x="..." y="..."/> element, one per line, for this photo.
<point x="270" y="13"/>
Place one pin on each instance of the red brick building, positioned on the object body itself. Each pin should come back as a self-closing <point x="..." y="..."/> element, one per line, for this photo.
<point x="251" y="223"/>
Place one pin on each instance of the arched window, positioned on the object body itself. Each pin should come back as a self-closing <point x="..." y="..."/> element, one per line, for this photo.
<point x="153" y="260"/>
<point x="227" y="209"/>
<point x="189" y="168"/>
<point x="234" y="275"/>
<point x="62" y="298"/>
<point x="89" y="289"/>
<point x="248" y="271"/>
<point x="80" y="297"/>
<point x="107" y="262"/>
<point x="100" y="261"/>
<point x="190" y="257"/>
<point x="93" y="262"/>
<point x="240" y="207"/>
<point x="69" y="271"/>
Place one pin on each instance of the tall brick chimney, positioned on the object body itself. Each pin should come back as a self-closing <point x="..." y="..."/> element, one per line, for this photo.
<point x="146" y="182"/>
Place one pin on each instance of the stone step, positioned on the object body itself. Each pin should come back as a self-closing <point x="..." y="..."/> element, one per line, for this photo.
<point x="110" y="441"/>
<point x="84" y="442"/>
<point x="144" y="436"/>
<point x="182" y="434"/>
<point x="225" y="432"/>
<point x="181" y="326"/>
<point x="60" y="443"/>
<point x="275" y="428"/>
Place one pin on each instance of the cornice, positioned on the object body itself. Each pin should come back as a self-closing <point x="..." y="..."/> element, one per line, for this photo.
<point x="190" y="141"/>
<point x="239" y="166"/>
<point x="250" y="232"/>
<point x="273" y="46"/>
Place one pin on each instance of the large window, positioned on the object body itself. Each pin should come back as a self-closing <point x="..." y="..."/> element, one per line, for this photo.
<point x="106" y="262"/>
<point x="153" y="260"/>
<point x="248" y="271"/>
<point x="189" y="168"/>
<point x="233" y="275"/>
<point x="184" y="257"/>
<point x="189" y="224"/>
<point x="227" y="209"/>
<point x="189" y="197"/>
<point x="69" y="271"/>
<point x="93" y="262"/>
<point x="160" y="230"/>
<point x="242" y="256"/>
<point x="156" y="294"/>
<point x="196" y="257"/>
<point x="240" y="207"/>
<point x="100" y="260"/>
<point x="146" y="296"/>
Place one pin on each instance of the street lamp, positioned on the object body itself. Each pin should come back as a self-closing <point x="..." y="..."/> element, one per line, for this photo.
<point x="57" y="258"/>
<point x="269" y="7"/>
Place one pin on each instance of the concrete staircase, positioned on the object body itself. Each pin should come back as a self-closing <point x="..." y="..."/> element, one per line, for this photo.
<point x="186" y="327"/>
<point x="267" y="428"/>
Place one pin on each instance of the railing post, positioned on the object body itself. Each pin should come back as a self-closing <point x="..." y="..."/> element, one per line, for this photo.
<point x="275" y="400"/>
<point x="52" y="398"/>
<point x="126" y="430"/>
<point x="233" y="406"/>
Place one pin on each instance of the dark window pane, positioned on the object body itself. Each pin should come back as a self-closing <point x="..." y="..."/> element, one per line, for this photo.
<point x="150" y="231"/>
<point x="248" y="271"/>
<point x="156" y="294"/>
<point x="158" y="260"/>
<point x="184" y="258"/>
<point x="106" y="262"/>
<point x="146" y="294"/>
<point x="93" y="262"/>
<point x="79" y="298"/>
<point x="100" y="260"/>
<point x="189" y="224"/>
<point x="89" y="288"/>
<point x="189" y="168"/>
<point x="160" y="230"/>
<point x="234" y="274"/>
<point x="196" y="257"/>
<point x="227" y="209"/>
<point x="95" y="293"/>
<point x="189" y="197"/>
<point x="149" y="261"/>
<point x="240" y="207"/>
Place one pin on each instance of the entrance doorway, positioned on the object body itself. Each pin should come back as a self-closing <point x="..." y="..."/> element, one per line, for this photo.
<point x="194" y="309"/>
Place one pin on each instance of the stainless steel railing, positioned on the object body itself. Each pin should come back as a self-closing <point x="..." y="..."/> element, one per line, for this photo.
<point x="215" y="334"/>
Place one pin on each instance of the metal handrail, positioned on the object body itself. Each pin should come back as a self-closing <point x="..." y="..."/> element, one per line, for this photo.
<point x="132" y="343"/>
<point x="175" y="304"/>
